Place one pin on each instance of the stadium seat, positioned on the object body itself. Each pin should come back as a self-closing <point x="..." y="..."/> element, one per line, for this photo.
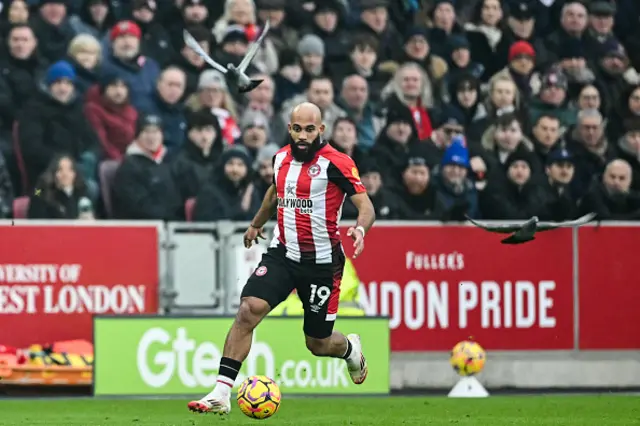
<point x="22" y="167"/>
<point x="20" y="207"/>
<point x="188" y="209"/>
<point x="107" y="171"/>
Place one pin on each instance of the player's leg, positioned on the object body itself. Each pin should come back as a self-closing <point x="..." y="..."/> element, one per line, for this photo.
<point x="320" y="294"/>
<point x="269" y="285"/>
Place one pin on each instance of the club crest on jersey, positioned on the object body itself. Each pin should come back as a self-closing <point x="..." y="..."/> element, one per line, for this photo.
<point x="314" y="170"/>
<point x="261" y="271"/>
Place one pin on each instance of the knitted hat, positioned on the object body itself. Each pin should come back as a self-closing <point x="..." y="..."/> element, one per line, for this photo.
<point x="521" y="48"/>
<point x="210" y="79"/>
<point x="146" y="120"/>
<point x="236" y="151"/>
<point x="311" y="44"/>
<point x="456" y="154"/>
<point x="518" y="155"/>
<point x="123" y="28"/>
<point x="59" y="71"/>
<point x="254" y="118"/>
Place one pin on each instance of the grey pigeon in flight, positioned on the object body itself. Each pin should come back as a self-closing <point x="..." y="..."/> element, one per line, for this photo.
<point x="236" y="76"/>
<point x="524" y="231"/>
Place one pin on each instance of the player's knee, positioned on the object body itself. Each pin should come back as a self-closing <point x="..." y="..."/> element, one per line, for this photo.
<point x="251" y="311"/>
<point x="318" y="347"/>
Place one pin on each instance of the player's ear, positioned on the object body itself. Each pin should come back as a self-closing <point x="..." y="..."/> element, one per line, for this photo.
<point x="321" y="128"/>
<point x="289" y="127"/>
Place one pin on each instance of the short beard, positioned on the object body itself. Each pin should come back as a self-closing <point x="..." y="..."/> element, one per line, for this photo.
<point x="305" y="156"/>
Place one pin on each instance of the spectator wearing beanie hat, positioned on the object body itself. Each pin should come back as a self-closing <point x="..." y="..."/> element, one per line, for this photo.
<point x="263" y="167"/>
<point x="229" y="194"/>
<point x="460" y="58"/>
<point x="523" y="24"/>
<point x="144" y="187"/>
<point x="108" y="110"/>
<point x="559" y="202"/>
<point x="522" y="62"/>
<point x="374" y="19"/>
<point x="156" y="39"/>
<point x="288" y="81"/>
<point x="614" y="71"/>
<point x="311" y="52"/>
<point x="123" y="58"/>
<point x="553" y="99"/>
<point x="52" y="122"/>
<point x="255" y="132"/>
<point x="397" y="137"/>
<point x="520" y="197"/>
<point x="457" y="196"/>
<point x="444" y="19"/>
<point x="200" y="154"/>
<point x="416" y="193"/>
<point x="233" y="45"/>
<point x="52" y="29"/>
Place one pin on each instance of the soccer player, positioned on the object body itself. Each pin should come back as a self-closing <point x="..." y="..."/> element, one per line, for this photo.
<point x="311" y="180"/>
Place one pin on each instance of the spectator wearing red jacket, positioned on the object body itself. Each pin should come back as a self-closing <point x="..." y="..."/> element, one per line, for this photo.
<point x="111" y="115"/>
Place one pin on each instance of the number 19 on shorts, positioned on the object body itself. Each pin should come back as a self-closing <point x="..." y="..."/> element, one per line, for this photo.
<point x="319" y="297"/>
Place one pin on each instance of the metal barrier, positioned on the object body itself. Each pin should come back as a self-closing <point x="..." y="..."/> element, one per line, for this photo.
<point x="207" y="266"/>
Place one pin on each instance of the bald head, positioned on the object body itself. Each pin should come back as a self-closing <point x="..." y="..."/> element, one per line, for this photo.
<point x="307" y="111"/>
<point x="617" y="176"/>
<point x="306" y="130"/>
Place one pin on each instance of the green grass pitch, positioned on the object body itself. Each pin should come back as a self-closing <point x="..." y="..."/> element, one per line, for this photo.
<point x="597" y="410"/>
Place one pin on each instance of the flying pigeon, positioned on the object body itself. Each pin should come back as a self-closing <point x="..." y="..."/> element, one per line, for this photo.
<point x="523" y="231"/>
<point x="236" y="76"/>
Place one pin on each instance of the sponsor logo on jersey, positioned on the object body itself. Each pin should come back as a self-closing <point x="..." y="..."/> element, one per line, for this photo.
<point x="304" y="205"/>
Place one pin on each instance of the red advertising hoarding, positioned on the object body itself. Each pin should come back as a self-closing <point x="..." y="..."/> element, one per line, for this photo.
<point x="53" y="278"/>
<point x="440" y="285"/>
<point x="609" y="289"/>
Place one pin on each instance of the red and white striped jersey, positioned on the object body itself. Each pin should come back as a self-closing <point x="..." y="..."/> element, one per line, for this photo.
<point x="310" y="197"/>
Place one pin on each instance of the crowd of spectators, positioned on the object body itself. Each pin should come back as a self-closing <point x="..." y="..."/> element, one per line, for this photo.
<point x="495" y="109"/>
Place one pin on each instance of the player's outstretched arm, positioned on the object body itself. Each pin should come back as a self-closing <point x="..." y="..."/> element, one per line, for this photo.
<point x="267" y="209"/>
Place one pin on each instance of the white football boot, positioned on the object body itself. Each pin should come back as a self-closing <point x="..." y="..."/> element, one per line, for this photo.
<point x="356" y="363"/>
<point x="211" y="404"/>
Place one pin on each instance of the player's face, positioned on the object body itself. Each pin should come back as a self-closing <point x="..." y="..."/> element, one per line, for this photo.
<point x="305" y="139"/>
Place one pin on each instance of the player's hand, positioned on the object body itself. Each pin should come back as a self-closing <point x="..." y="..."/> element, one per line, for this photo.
<point x="358" y="241"/>
<point x="253" y="235"/>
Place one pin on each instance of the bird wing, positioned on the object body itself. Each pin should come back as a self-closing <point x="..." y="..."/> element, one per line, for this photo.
<point x="251" y="53"/>
<point x="547" y="226"/>
<point x="193" y="44"/>
<point x="502" y="228"/>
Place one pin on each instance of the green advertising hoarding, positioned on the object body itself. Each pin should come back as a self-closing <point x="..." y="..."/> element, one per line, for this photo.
<point x="164" y="355"/>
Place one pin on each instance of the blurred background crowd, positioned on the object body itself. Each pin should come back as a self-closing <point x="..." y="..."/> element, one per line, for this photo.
<point x="495" y="109"/>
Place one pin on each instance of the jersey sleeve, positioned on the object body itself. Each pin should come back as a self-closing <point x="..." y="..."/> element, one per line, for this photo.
<point x="343" y="172"/>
